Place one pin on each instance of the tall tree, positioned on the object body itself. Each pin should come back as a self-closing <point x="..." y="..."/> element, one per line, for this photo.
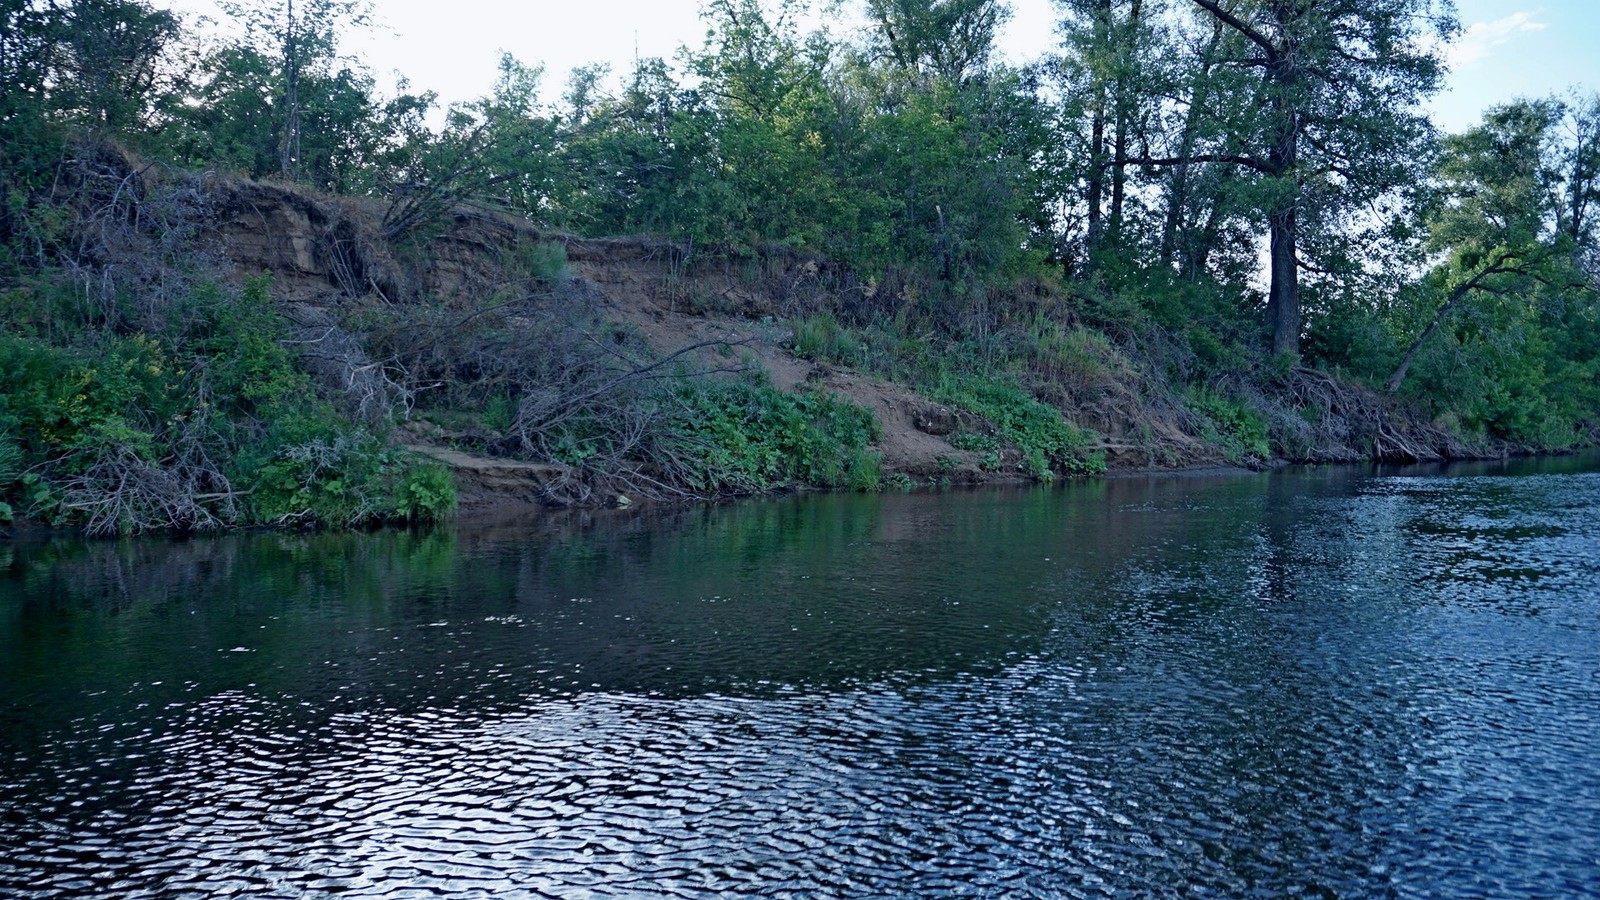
<point x="1332" y="121"/>
<point x="1117" y="76"/>
<point x="1577" y="184"/>
<point x="281" y="98"/>
<point x="1502" y="213"/>
<point x="93" y="63"/>
<point x="952" y="39"/>
<point x="1196" y="87"/>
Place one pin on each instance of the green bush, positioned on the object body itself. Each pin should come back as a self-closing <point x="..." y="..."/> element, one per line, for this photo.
<point x="543" y="261"/>
<point x="1049" y="443"/>
<point x="966" y="440"/>
<point x="127" y="432"/>
<point x="1231" y="426"/>
<point x="865" y="470"/>
<point x="426" y="493"/>
<point x="744" y="436"/>
<point x="1060" y="351"/>
<point x="499" y="412"/>
<point x="234" y="340"/>
<point x="10" y="461"/>
<point x="821" y="338"/>
<point x="348" y="477"/>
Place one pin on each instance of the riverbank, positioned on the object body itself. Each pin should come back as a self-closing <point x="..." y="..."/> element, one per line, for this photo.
<point x="225" y="353"/>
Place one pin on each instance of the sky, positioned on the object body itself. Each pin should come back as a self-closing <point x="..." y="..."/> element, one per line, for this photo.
<point x="1507" y="48"/>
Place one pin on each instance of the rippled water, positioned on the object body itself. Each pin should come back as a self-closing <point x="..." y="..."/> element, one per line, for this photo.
<point x="1338" y="682"/>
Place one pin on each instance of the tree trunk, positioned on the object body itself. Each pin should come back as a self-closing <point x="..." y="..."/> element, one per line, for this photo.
<point x="1126" y="38"/>
<point x="290" y="162"/>
<point x="1283" y="297"/>
<point x="1178" y="184"/>
<point x="1500" y="265"/>
<point x="1198" y="245"/>
<point x="1097" y="135"/>
<point x="1119" y="172"/>
<point x="1096" y="187"/>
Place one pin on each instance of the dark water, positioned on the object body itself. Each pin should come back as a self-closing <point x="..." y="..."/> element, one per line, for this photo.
<point x="1328" y="683"/>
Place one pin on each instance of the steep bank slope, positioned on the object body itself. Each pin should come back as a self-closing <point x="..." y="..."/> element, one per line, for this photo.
<point x="546" y="369"/>
<point x="334" y="277"/>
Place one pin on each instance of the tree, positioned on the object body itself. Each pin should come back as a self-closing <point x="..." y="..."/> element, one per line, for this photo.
<point x="281" y="99"/>
<point x="1508" y="212"/>
<point x="497" y="147"/>
<point x="629" y="163"/>
<point x="952" y="39"/>
<point x="111" y="61"/>
<point x="1330" y="121"/>
<point x="767" y="111"/>
<point x="1116" y="73"/>
<point x="90" y="63"/>
<point x="1577" y="186"/>
<point x="96" y="68"/>
<point x="307" y="43"/>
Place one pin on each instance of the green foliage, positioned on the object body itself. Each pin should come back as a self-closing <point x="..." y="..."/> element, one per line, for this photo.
<point x="96" y="64"/>
<point x="1486" y="337"/>
<point x="1049" y="443"/>
<point x="1231" y="426"/>
<point x="235" y="339"/>
<point x="950" y="38"/>
<point x="10" y="461"/>
<point x="541" y="261"/>
<point x="864" y="470"/>
<point x="966" y="440"/>
<point x="496" y="148"/>
<point x="820" y="337"/>
<point x="337" y="134"/>
<point x="426" y="493"/>
<point x="343" y="477"/>
<point x="123" y="431"/>
<point x="746" y="436"/>
<point x="1078" y="354"/>
<point x="499" y="412"/>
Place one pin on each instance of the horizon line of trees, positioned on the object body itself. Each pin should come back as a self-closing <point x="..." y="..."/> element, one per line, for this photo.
<point x="1147" y="167"/>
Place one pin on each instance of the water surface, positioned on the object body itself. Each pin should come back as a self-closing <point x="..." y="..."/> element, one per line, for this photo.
<point x="1338" y="682"/>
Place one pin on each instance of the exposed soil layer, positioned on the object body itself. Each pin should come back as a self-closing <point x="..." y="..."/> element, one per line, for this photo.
<point x="326" y="255"/>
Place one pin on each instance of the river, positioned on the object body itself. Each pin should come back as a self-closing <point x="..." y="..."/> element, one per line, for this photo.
<point x="1322" y="682"/>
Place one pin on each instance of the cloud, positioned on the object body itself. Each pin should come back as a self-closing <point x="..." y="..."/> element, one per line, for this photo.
<point x="1480" y="38"/>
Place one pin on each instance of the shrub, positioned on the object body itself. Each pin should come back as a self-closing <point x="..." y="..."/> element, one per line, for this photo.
<point x="1231" y="426"/>
<point x="821" y="338"/>
<point x="744" y="436"/>
<point x="542" y="261"/>
<point x="426" y="493"/>
<point x="1049" y="443"/>
<point x="865" y="470"/>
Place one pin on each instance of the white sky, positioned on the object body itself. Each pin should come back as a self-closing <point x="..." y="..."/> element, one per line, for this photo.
<point x="1508" y="49"/>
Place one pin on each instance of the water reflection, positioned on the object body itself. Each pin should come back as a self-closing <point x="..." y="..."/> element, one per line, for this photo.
<point x="1334" y="682"/>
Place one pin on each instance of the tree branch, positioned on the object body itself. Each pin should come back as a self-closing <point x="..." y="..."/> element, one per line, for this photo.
<point x="1248" y="162"/>
<point x="1502" y="264"/>
<point x="1243" y="27"/>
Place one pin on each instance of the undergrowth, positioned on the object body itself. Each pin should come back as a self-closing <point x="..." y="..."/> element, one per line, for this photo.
<point x="192" y="416"/>
<point x="1237" y="431"/>
<point x="1050" y="444"/>
<point x="746" y="436"/>
<point x="987" y="381"/>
